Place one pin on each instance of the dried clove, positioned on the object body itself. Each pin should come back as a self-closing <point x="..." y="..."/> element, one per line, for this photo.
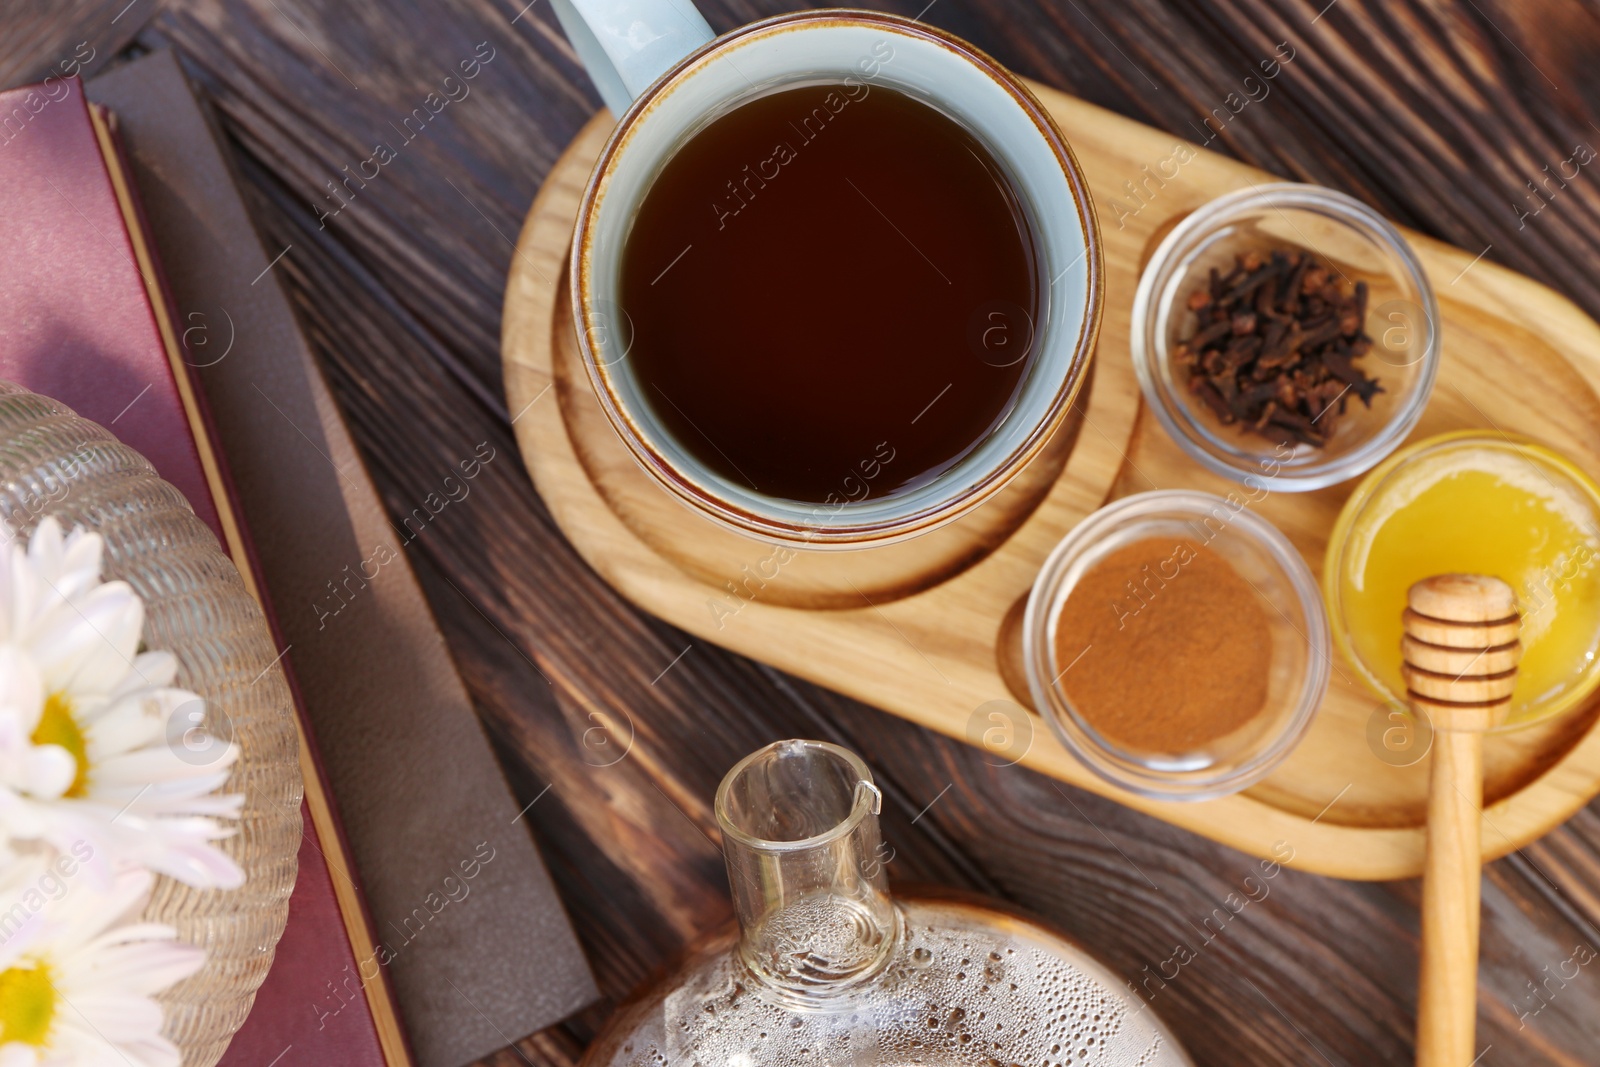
<point x="1275" y="346"/>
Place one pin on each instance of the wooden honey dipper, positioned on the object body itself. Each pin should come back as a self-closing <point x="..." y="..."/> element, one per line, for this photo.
<point x="1461" y="653"/>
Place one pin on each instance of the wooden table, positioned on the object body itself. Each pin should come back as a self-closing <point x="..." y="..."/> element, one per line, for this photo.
<point x="1440" y="114"/>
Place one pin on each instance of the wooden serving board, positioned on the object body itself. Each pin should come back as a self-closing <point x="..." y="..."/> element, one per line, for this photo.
<point x="1517" y="357"/>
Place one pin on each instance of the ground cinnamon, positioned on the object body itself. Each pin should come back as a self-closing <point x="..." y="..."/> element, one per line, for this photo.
<point x="1165" y="647"/>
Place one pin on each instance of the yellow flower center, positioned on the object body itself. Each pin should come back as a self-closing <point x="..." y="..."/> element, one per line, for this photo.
<point x="27" y="1005"/>
<point x="58" y="727"/>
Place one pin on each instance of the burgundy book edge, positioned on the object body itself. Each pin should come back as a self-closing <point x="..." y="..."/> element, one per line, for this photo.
<point x="327" y="835"/>
<point x="383" y="696"/>
<point x="84" y="327"/>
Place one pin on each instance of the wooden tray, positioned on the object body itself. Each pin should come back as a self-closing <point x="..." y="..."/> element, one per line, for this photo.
<point x="1517" y="357"/>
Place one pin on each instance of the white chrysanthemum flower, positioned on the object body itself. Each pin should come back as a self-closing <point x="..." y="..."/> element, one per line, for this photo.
<point x="85" y="747"/>
<point x="75" y="988"/>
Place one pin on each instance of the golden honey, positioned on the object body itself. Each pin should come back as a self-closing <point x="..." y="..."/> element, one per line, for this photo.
<point x="1474" y="503"/>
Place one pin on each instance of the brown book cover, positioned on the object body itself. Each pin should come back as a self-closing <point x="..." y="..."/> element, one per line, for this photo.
<point x="470" y="930"/>
<point x="90" y="327"/>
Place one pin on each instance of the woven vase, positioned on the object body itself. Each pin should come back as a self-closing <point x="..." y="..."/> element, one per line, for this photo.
<point x="197" y="607"/>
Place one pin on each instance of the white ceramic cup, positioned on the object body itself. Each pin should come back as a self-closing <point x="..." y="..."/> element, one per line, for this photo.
<point x="658" y="66"/>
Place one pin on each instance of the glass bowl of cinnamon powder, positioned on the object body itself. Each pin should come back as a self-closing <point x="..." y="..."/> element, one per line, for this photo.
<point x="1178" y="645"/>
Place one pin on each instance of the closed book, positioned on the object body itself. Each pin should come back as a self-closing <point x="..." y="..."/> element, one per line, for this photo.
<point x="470" y="930"/>
<point x="87" y="324"/>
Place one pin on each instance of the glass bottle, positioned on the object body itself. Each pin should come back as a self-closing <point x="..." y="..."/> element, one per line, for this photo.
<point x="828" y="970"/>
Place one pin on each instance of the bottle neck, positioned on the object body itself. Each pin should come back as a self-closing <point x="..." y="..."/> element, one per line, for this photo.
<point x="806" y="866"/>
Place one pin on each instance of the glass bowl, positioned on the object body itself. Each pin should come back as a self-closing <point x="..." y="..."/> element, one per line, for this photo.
<point x="1297" y="620"/>
<point x="1344" y="234"/>
<point x="1551" y="581"/>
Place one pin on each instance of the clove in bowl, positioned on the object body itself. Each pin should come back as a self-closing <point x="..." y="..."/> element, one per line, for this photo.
<point x="1286" y="336"/>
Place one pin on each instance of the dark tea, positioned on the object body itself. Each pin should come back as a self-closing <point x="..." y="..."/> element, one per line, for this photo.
<point x="832" y="292"/>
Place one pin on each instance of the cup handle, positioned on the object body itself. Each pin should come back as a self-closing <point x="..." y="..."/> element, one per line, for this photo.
<point x="625" y="45"/>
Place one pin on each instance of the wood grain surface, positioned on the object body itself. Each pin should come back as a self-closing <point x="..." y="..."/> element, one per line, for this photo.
<point x="1438" y="113"/>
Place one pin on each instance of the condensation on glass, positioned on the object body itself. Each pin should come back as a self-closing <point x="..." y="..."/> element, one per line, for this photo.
<point x="828" y="970"/>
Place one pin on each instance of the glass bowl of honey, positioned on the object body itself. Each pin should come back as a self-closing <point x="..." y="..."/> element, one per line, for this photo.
<point x="1285" y="336"/>
<point x="1177" y="645"/>
<point x="1474" y="502"/>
